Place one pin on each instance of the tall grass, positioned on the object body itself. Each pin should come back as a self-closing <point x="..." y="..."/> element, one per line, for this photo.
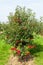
<point x="39" y="55"/>
<point x="4" y="52"/>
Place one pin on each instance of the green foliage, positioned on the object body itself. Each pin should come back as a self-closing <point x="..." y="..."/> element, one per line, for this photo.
<point x="4" y="52"/>
<point x="19" y="27"/>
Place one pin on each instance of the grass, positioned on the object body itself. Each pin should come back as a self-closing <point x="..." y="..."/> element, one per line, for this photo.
<point x="39" y="55"/>
<point x="4" y="52"/>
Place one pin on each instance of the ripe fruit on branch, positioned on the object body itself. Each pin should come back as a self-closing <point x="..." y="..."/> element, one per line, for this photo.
<point x="31" y="46"/>
<point x="18" y="41"/>
<point x="18" y="52"/>
<point x="27" y="53"/>
<point x="13" y="49"/>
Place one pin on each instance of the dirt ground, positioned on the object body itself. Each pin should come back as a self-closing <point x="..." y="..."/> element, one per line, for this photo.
<point x="14" y="61"/>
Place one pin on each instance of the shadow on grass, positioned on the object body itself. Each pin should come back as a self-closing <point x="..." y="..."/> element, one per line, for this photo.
<point x="39" y="48"/>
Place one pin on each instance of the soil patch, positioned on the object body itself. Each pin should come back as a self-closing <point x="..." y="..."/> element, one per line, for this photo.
<point x="13" y="60"/>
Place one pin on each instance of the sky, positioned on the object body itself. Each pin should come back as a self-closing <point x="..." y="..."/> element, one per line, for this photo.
<point x="7" y="6"/>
